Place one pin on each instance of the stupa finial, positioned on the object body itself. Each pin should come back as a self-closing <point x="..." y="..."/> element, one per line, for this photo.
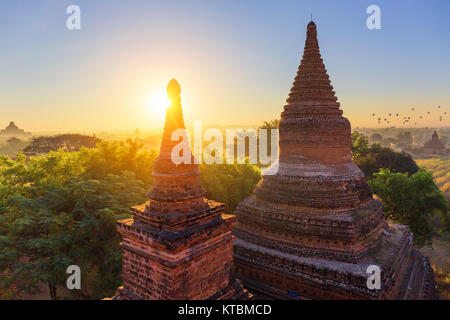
<point x="174" y="91"/>
<point x="312" y="84"/>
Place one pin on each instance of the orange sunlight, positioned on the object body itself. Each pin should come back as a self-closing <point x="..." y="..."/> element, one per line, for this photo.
<point x="158" y="103"/>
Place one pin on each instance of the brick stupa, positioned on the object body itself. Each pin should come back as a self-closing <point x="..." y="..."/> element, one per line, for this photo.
<point x="178" y="245"/>
<point x="312" y="227"/>
<point x="435" y="145"/>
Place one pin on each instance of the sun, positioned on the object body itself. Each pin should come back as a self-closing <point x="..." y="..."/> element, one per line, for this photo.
<point x="158" y="103"/>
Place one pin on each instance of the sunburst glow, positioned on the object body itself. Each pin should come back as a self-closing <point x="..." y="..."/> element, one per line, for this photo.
<point x="158" y="103"/>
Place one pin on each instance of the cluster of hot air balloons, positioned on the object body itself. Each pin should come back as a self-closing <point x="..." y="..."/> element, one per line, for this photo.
<point x="410" y="118"/>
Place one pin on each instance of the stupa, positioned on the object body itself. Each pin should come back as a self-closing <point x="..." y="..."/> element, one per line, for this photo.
<point x="13" y="130"/>
<point x="178" y="245"/>
<point x="435" y="145"/>
<point x="312" y="228"/>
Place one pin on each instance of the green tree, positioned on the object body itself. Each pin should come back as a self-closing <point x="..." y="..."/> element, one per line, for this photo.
<point x="116" y="157"/>
<point x="272" y="124"/>
<point x="61" y="209"/>
<point x="372" y="159"/>
<point x="359" y="144"/>
<point x="70" y="224"/>
<point x="229" y="183"/>
<point x="410" y="199"/>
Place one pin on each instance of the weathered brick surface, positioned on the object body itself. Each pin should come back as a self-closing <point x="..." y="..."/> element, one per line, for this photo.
<point x="312" y="229"/>
<point x="178" y="245"/>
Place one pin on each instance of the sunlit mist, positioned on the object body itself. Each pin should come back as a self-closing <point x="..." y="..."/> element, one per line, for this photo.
<point x="158" y="103"/>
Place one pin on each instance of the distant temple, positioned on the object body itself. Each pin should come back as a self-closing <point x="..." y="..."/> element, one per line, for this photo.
<point x="13" y="130"/>
<point x="435" y="145"/>
<point x="178" y="245"/>
<point x="312" y="229"/>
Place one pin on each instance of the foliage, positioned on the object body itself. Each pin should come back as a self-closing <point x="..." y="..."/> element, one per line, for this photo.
<point x="12" y="146"/>
<point x="116" y="157"/>
<point x="229" y="183"/>
<point x="61" y="209"/>
<point x="13" y="141"/>
<point x="68" y="142"/>
<point x="359" y="144"/>
<point x="410" y="199"/>
<point x="272" y="124"/>
<point x="375" y="157"/>
<point x="70" y="224"/>
<point x="30" y="178"/>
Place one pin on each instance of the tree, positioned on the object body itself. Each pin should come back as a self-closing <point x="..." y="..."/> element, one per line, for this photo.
<point x="359" y="144"/>
<point x="72" y="224"/>
<point x="14" y="142"/>
<point x="372" y="159"/>
<point x="61" y="209"/>
<point x="68" y="142"/>
<point x="410" y="199"/>
<point x="116" y="157"/>
<point x="229" y="183"/>
<point x="269" y="125"/>
<point x="272" y="124"/>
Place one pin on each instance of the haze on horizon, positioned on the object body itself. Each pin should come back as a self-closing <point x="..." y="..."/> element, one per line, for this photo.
<point x="235" y="61"/>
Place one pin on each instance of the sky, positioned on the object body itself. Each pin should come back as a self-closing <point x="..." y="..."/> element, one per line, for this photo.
<point x="234" y="59"/>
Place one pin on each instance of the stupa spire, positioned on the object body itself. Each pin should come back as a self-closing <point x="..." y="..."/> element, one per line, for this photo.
<point x="312" y="84"/>
<point x="175" y="182"/>
<point x="178" y="245"/>
<point x="174" y="117"/>
<point x="311" y="227"/>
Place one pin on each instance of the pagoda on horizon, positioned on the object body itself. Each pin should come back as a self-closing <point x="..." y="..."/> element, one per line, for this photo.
<point x="178" y="245"/>
<point x="434" y="146"/>
<point x="14" y="131"/>
<point x="312" y="227"/>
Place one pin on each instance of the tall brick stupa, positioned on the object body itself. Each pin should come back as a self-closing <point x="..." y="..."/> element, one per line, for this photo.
<point x="178" y="245"/>
<point x="312" y="227"/>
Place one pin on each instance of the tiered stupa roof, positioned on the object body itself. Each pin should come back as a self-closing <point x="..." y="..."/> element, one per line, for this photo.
<point x="312" y="84"/>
